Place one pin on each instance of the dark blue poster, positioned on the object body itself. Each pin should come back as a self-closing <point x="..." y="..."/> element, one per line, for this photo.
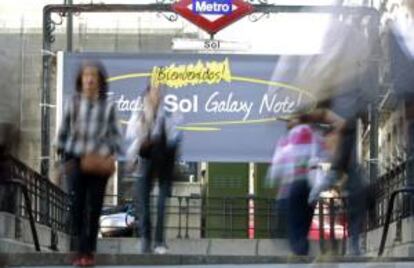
<point x="230" y="107"/>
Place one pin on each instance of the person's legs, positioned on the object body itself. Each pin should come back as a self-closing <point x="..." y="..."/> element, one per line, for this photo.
<point x="299" y="219"/>
<point x="282" y="218"/>
<point x="309" y="210"/>
<point x="96" y="187"/>
<point x="356" y="187"/>
<point x="164" y="189"/>
<point x="165" y="178"/>
<point x="144" y="190"/>
<point x="69" y="165"/>
<point x="78" y="207"/>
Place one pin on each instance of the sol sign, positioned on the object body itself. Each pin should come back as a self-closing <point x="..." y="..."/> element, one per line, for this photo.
<point x="225" y="12"/>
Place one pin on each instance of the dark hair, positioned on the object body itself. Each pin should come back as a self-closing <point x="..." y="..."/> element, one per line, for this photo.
<point x="102" y="76"/>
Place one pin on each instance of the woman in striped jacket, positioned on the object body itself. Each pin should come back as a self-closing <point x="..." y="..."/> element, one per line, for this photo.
<point x="297" y="156"/>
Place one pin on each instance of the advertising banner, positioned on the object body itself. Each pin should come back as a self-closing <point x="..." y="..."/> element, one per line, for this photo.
<point x="230" y="107"/>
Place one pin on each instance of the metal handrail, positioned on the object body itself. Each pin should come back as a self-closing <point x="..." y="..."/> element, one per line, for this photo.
<point x="28" y="209"/>
<point x="183" y="209"/>
<point x="390" y="208"/>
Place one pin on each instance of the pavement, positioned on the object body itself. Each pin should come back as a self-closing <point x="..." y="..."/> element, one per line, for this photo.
<point x="338" y="265"/>
<point x="52" y="260"/>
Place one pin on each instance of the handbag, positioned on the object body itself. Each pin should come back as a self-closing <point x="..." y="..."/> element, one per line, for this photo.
<point x="98" y="165"/>
<point x="149" y="144"/>
<point x="146" y="147"/>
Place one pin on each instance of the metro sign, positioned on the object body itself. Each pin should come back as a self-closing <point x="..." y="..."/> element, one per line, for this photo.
<point x="214" y="7"/>
<point x="212" y="15"/>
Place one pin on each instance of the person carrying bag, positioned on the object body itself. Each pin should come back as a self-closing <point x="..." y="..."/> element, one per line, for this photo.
<point x="89" y="134"/>
<point x="296" y="170"/>
<point x="154" y="146"/>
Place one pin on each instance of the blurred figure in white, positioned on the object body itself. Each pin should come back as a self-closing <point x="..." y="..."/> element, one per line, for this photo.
<point x="155" y="142"/>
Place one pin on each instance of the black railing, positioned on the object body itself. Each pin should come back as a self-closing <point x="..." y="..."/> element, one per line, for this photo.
<point x="381" y="192"/>
<point x="49" y="205"/>
<point x="240" y="217"/>
<point x="388" y="216"/>
<point x="28" y="206"/>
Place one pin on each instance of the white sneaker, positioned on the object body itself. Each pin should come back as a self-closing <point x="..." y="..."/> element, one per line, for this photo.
<point x="161" y="250"/>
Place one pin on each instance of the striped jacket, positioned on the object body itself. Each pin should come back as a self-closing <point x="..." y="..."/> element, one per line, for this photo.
<point x="89" y="126"/>
<point x="295" y="155"/>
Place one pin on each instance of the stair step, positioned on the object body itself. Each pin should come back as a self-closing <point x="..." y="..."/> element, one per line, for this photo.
<point x="61" y="259"/>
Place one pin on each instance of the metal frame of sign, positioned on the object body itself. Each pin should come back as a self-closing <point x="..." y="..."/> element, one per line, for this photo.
<point x="212" y="27"/>
<point x="163" y="7"/>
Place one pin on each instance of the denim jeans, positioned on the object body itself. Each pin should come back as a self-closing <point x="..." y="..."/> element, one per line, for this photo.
<point x="150" y="168"/>
<point x="299" y="216"/>
<point x="356" y="185"/>
<point x="88" y="194"/>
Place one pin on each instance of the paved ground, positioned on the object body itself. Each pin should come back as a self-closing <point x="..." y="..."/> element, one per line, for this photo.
<point x="58" y="260"/>
<point x="314" y="265"/>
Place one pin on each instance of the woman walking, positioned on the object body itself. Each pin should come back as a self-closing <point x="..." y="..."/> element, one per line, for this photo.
<point x="297" y="158"/>
<point x="155" y="140"/>
<point x="89" y="138"/>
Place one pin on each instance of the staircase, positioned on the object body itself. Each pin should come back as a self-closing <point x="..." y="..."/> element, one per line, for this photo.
<point x="60" y="260"/>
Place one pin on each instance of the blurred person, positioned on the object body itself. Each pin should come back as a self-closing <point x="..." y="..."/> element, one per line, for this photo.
<point x="338" y="61"/>
<point x="89" y="137"/>
<point x="340" y="77"/>
<point x="295" y="166"/>
<point x="9" y="121"/>
<point x="344" y="163"/>
<point x="155" y="143"/>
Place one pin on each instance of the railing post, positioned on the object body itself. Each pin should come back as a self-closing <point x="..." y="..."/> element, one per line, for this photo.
<point x="29" y="211"/>
<point x="390" y="208"/>
<point x="179" y="217"/>
<point x="187" y="216"/>
<point x="31" y="220"/>
<point x="232" y="213"/>
<point x="41" y="201"/>
<point x="225" y="216"/>
<point x="387" y="223"/>
<point x="36" y="198"/>
<point x="345" y="226"/>
<point x="269" y="218"/>
<point x="321" y="226"/>
<point x="54" y="239"/>
<point x="203" y="215"/>
<point x="332" y="224"/>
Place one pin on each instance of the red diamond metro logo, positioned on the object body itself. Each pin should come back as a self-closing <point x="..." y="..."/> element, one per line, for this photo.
<point x="212" y="23"/>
